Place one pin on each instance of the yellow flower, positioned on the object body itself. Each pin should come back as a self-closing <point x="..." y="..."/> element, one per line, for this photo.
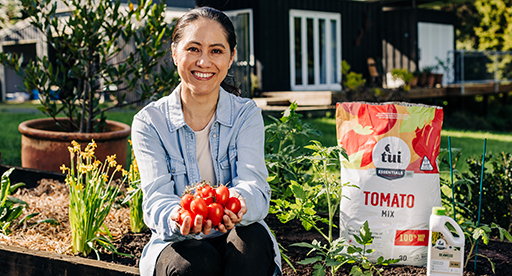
<point x="125" y="172"/>
<point x="96" y="164"/>
<point x="90" y="148"/>
<point x="76" y="146"/>
<point x="112" y="160"/>
<point x="119" y="168"/>
<point x="82" y="168"/>
<point x="63" y="168"/>
<point x="105" y="177"/>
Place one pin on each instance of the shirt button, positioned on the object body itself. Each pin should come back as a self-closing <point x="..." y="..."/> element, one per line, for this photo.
<point x="173" y="170"/>
<point x="214" y="135"/>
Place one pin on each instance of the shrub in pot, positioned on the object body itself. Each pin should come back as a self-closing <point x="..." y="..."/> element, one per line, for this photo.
<point x="102" y="49"/>
<point x="429" y="76"/>
<point x="404" y="75"/>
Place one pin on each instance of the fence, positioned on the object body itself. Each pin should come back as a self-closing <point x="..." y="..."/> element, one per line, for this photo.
<point x="465" y="67"/>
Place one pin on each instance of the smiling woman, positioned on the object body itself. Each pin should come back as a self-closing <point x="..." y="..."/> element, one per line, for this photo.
<point x="198" y="133"/>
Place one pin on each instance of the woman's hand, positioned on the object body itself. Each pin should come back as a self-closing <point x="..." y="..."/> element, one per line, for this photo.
<point x="230" y="219"/>
<point x="189" y="227"/>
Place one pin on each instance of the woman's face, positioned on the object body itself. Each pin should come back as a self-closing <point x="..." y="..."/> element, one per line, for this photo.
<point x="202" y="56"/>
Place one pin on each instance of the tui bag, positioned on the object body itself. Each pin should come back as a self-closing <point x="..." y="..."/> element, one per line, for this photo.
<point x="393" y="150"/>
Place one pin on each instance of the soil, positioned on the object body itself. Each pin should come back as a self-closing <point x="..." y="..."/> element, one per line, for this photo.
<point x="50" y="238"/>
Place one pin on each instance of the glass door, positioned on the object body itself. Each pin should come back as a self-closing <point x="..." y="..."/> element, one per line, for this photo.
<point x="244" y="59"/>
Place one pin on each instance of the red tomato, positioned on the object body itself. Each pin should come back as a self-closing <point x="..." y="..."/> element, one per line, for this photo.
<point x="215" y="213"/>
<point x="233" y="205"/>
<point x="199" y="191"/>
<point x="198" y="207"/>
<point x="183" y="215"/>
<point x="208" y="194"/>
<point x="222" y="195"/>
<point x="185" y="201"/>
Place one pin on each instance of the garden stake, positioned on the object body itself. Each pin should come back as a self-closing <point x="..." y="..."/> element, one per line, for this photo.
<point x="451" y="173"/>
<point x="480" y="201"/>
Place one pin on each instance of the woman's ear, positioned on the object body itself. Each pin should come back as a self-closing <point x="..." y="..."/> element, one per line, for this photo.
<point x="173" y="50"/>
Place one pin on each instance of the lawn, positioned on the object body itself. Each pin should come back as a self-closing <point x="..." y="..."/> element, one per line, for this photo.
<point x="470" y="142"/>
<point x="11" y="115"/>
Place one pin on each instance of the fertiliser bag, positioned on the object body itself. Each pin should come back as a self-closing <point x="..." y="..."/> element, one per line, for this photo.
<point x="392" y="149"/>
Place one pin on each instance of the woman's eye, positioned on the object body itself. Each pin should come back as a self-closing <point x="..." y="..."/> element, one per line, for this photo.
<point x="217" y="51"/>
<point x="193" y="49"/>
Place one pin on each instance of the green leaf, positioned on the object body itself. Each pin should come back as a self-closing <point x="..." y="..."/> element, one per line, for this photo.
<point x="356" y="271"/>
<point x="310" y="260"/>
<point x="27" y="217"/>
<point x="49" y="221"/>
<point x="14" y="213"/>
<point x="304" y="244"/>
<point x="319" y="270"/>
<point x="14" y="200"/>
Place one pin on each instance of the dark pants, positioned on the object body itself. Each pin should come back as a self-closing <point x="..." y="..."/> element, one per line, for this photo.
<point x="243" y="251"/>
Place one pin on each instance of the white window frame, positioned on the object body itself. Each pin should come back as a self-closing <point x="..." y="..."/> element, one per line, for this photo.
<point x="315" y="15"/>
<point x="231" y="13"/>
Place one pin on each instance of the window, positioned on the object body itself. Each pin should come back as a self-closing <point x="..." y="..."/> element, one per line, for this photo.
<point x="315" y="50"/>
<point x="244" y="58"/>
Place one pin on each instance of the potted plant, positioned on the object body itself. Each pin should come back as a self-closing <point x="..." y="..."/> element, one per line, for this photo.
<point x="404" y="75"/>
<point x="428" y="75"/>
<point x="415" y="80"/>
<point x="441" y="64"/>
<point x="103" y="49"/>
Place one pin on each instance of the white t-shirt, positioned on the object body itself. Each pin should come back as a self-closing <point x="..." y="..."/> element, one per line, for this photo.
<point x="204" y="156"/>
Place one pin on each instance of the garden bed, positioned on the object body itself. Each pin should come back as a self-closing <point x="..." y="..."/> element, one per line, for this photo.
<point x="46" y="250"/>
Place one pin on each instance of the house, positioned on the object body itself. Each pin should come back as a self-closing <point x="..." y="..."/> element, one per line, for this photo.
<point x="292" y="45"/>
<point x="23" y="38"/>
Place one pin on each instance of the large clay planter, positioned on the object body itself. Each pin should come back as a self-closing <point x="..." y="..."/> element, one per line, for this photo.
<point x="44" y="147"/>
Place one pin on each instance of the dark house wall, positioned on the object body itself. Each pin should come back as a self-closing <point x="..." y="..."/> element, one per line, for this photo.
<point x="400" y="33"/>
<point x="361" y="33"/>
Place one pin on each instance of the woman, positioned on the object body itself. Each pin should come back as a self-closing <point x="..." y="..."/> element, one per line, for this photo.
<point x="201" y="132"/>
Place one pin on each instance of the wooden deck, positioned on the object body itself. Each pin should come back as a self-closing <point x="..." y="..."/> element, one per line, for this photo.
<point x="456" y="90"/>
<point x="318" y="103"/>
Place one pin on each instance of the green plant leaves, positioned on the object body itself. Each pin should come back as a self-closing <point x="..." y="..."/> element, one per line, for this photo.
<point x="96" y="45"/>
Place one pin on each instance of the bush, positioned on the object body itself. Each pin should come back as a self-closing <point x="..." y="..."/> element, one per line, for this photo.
<point x="496" y="191"/>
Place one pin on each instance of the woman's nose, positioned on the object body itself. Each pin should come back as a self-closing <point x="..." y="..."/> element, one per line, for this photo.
<point x="203" y="60"/>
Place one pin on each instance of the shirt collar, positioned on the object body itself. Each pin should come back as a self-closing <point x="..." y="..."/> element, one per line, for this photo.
<point x="176" y="120"/>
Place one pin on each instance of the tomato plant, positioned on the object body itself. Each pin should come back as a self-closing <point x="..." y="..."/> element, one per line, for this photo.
<point x="233" y="205"/>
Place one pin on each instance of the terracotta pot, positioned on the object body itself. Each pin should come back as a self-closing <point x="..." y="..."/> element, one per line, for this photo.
<point x="44" y="147"/>
<point x="438" y="80"/>
<point x="422" y="79"/>
<point x="431" y="80"/>
<point x="414" y="82"/>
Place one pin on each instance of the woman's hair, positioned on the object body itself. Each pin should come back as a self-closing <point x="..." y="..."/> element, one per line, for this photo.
<point x="212" y="14"/>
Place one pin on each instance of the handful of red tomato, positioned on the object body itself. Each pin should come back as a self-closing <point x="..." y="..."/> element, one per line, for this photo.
<point x="207" y="201"/>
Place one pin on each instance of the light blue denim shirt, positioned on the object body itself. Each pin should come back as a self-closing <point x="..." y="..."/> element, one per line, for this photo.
<point x="165" y="149"/>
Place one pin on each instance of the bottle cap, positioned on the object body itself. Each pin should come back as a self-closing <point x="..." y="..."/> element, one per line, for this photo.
<point x="437" y="210"/>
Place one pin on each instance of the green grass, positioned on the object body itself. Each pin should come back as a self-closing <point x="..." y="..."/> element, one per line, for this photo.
<point x="470" y="142"/>
<point x="11" y="115"/>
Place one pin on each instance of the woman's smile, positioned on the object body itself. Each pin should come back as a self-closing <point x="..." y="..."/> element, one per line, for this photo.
<point x="203" y="76"/>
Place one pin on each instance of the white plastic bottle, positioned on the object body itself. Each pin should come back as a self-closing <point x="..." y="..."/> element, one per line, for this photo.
<point x="445" y="251"/>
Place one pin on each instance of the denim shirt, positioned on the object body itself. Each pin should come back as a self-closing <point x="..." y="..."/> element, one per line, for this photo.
<point x="165" y="149"/>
